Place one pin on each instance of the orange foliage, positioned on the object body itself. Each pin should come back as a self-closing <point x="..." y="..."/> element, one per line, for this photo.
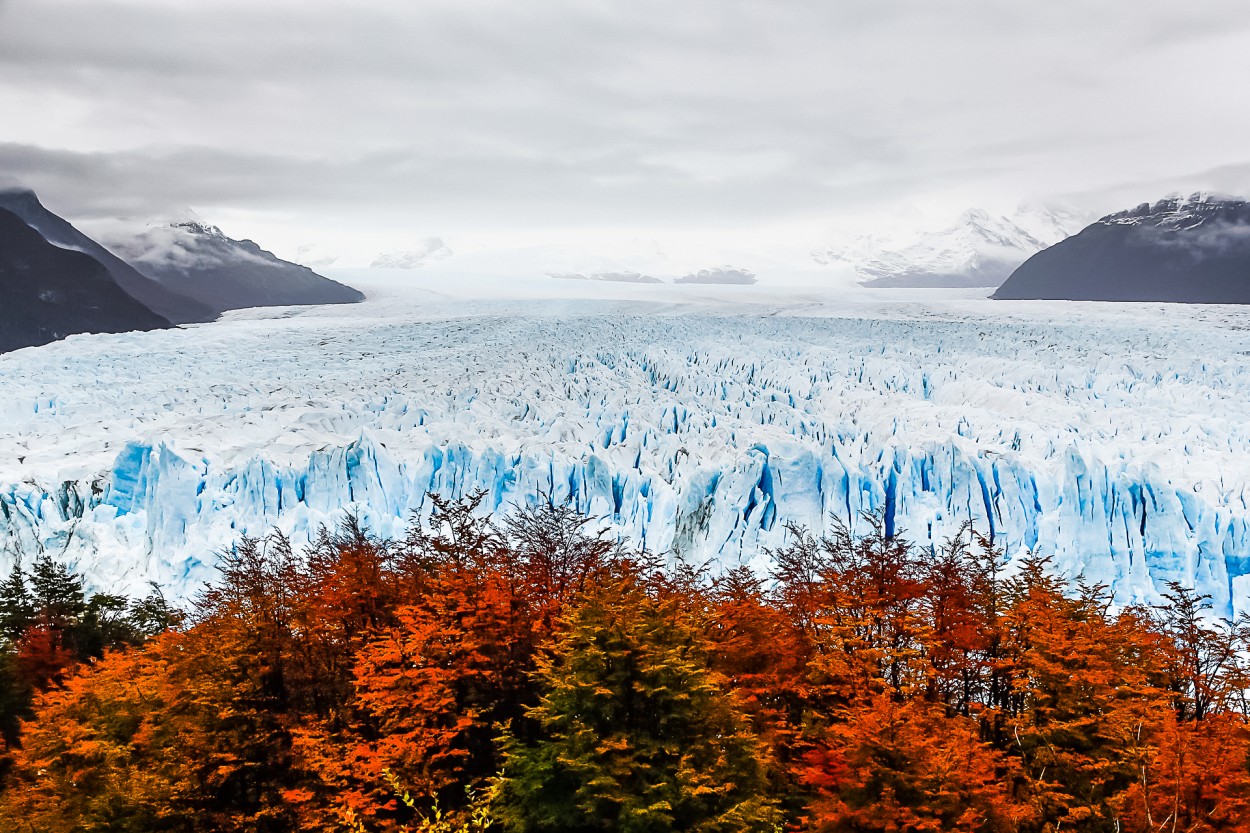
<point x="364" y="684"/>
<point x="888" y="764"/>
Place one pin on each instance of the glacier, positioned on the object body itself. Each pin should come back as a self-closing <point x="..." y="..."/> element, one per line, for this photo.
<point x="695" y="421"/>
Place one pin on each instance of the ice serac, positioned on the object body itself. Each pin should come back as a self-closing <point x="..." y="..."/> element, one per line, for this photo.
<point x="1124" y="527"/>
<point x="1124" y="457"/>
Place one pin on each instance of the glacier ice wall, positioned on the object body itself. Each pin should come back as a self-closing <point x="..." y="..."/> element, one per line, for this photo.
<point x="1122" y="455"/>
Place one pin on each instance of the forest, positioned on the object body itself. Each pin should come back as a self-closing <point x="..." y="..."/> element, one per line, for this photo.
<point x="530" y="675"/>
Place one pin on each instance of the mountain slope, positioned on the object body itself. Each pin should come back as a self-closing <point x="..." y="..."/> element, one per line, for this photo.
<point x="48" y="292"/>
<point x="196" y="259"/>
<point x="1188" y="250"/>
<point x="979" y="249"/>
<point x="57" y="231"/>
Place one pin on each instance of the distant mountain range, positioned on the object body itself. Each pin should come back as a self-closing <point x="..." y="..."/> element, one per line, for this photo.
<point x="610" y="277"/>
<point x="724" y="275"/>
<point x="1186" y="249"/>
<point x="56" y="281"/>
<point x="979" y="249"/>
<point x="48" y="292"/>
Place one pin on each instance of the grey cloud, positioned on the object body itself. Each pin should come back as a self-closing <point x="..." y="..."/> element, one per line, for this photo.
<point x="457" y="188"/>
<point x="568" y="113"/>
<point x="1229" y="180"/>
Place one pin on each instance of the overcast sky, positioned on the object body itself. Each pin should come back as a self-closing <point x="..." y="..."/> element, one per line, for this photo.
<point x="307" y="121"/>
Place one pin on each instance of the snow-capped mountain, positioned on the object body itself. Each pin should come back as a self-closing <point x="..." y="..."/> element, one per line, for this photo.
<point x="431" y="250"/>
<point x="1176" y="213"/>
<point x="196" y="259"/>
<point x="697" y="420"/>
<point x="978" y="249"/>
<point x="1180" y="249"/>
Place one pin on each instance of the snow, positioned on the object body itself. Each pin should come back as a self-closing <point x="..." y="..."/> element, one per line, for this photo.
<point x="696" y="420"/>
<point x="978" y="249"/>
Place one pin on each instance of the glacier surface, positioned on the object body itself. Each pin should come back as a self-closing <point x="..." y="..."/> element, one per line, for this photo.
<point x="692" y="420"/>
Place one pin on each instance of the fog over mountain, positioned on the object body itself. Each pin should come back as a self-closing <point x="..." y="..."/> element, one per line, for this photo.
<point x="196" y="259"/>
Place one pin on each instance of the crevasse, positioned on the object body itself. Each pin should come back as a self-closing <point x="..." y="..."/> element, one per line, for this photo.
<point x="138" y="457"/>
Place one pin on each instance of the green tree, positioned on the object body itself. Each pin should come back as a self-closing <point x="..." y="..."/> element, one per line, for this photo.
<point x="636" y="732"/>
<point x="56" y="591"/>
<point x="17" y="611"/>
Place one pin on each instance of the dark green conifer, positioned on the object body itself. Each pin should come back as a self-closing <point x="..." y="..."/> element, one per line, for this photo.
<point x="56" y="591"/>
<point x="636" y="732"/>
<point x="16" y="608"/>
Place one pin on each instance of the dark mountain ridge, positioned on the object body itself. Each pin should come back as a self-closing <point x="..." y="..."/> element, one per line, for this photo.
<point x="49" y="292"/>
<point x="165" y="302"/>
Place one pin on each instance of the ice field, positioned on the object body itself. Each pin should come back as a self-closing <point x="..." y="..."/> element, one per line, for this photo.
<point x="693" y="420"/>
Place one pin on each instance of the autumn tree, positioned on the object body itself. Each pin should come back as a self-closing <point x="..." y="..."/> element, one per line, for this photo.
<point x="1199" y="778"/>
<point x="434" y="689"/>
<point x="234" y="698"/>
<point x="890" y="739"/>
<point x="528" y="675"/>
<point x="443" y="661"/>
<point x="763" y="657"/>
<point x="886" y="763"/>
<point x="49" y="623"/>
<point x="98" y="757"/>
<point x="1208" y="666"/>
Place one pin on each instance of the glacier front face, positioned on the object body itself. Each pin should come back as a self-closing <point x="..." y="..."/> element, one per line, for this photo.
<point x="694" y="422"/>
